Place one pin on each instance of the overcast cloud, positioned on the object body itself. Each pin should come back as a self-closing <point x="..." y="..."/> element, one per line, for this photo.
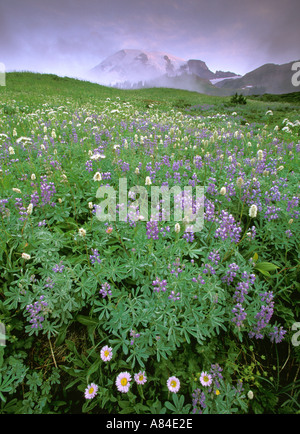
<point x="69" y="37"/>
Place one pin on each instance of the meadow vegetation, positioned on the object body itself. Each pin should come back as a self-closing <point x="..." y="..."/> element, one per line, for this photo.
<point x="144" y="316"/>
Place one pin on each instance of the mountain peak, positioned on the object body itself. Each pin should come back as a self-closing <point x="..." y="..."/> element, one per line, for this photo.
<point x="131" y="66"/>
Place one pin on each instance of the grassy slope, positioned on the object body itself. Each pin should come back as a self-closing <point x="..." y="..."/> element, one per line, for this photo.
<point x="32" y="89"/>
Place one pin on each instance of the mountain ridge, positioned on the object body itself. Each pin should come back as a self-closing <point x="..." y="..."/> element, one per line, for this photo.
<point x="133" y="68"/>
<point x="141" y="65"/>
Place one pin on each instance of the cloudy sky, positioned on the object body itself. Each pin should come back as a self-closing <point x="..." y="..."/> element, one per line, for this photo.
<point x="68" y="37"/>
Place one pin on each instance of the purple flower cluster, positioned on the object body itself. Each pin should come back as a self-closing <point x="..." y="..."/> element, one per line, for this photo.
<point x="58" y="268"/>
<point x="208" y="269"/>
<point x="34" y="198"/>
<point x="214" y="256"/>
<point x="134" y="336"/>
<point x="105" y="290"/>
<point x="199" y="279"/>
<point x="272" y="213"/>
<point x="174" y="296"/>
<point x="188" y="236"/>
<point x="89" y="166"/>
<point x="22" y="210"/>
<point x="36" y="311"/>
<point x="198" y="401"/>
<point x="152" y="230"/>
<point x="243" y="287"/>
<point x="49" y="283"/>
<point x="228" y="227"/>
<point x="95" y="257"/>
<point x="176" y="267"/>
<point x="264" y="315"/>
<point x="3" y="210"/>
<point x="277" y="334"/>
<point x="231" y="273"/>
<point x="293" y="203"/>
<point x="47" y="191"/>
<point x="239" y="296"/>
<point x="252" y="233"/>
<point x="215" y="372"/>
<point x="239" y="315"/>
<point x="159" y="285"/>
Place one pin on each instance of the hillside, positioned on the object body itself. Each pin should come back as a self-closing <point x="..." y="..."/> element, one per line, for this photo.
<point x="269" y="78"/>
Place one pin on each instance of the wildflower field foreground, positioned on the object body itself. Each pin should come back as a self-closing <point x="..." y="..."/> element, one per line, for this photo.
<point x="144" y="316"/>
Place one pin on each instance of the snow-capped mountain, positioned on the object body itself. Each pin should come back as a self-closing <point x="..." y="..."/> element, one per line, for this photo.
<point x="136" y="65"/>
<point x="139" y="68"/>
<point x="133" y="66"/>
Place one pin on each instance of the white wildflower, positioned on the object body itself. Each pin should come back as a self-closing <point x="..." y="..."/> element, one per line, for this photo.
<point x="97" y="176"/>
<point x="177" y="228"/>
<point x="253" y="211"/>
<point x="26" y="256"/>
<point x="29" y="209"/>
<point x="250" y="394"/>
<point x="148" y="180"/>
<point x="260" y="154"/>
<point x="82" y="232"/>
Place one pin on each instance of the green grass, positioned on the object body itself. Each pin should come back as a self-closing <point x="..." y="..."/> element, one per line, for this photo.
<point x="30" y="88"/>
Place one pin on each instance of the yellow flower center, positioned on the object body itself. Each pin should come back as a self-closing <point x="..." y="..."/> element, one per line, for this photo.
<point x="173" y="383"/>
<point x="91" y="390"/>
<point x="124" y="381"/>
<point x="141" y="377"/>
<point x="206" y="379"/>
<point x="106" y="353"/>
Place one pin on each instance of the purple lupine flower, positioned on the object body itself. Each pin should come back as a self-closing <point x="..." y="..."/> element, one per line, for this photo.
<point x="176" y="267"/>
<point x="188" y="236"/>
<point x="228" y="227"/>
<point x="289" y="233"/>
<point x="264" y="316"/>
<point x="152" y="230"/>
<point x="174" y="296"/>
<point x="214" y="256"/>
<point x="21" y="208"/>
<point x="34" y="198"/>
<point x="95" y="257"/>
<point x="58" y="268"/>
<point x="272" y="213"/>
<point x="89" y="166"/>
<point x="231" y="273"/>
<point x="105" y="290"/>
<point x="215" y="372"/>
<point x="239" y="315"/>
<point x="49" y="283"/>
<point x="47" y="191"/>
<point x="134" y="336"/>
<point x="36" y="311"/>
<point x="277" y="334"/>
<point x="198" y="401"/>
<point x="159" y="285"/>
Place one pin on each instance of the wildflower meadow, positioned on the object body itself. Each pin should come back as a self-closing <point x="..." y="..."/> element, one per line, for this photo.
<point x="118" y="305"/>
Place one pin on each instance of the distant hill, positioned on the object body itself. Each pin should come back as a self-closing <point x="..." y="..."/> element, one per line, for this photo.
<point x="268" y="78"/>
